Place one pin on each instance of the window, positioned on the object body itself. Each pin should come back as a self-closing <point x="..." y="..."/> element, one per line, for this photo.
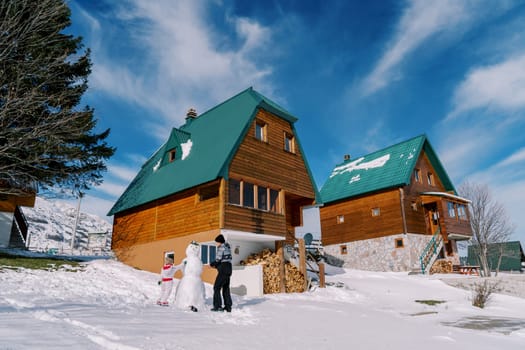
<point x="171" y="155"/>
<point x="253" y="196"/>
<point x="376" y="211"/>
<point x="208" y="252"/>
<point x="289" y="143"/>
<point x="234" y="192"/>
<point x="262" y="198"/>
<point x="399" y="243"/>
<point x="274" y="201"/>
<point x="462" y="212"/>
<point x="430" y="179"/>
<point x="417" y="175"/>
<point x="451" y="210"/>
<point x="340" y="219"/>
<point x="260" y="131"/>
<point x="247" y="195"/>
<point x="344" y="250"/>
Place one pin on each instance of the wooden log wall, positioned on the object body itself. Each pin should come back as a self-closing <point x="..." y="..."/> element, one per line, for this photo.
<point x="358" y="222"/>
<point x="173" y="216"/>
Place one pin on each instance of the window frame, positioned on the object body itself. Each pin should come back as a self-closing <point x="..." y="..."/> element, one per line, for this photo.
<point x="172" y="154"/>
<point x="417" y="175"/>
<point x="451" y="210"/>
<point x="273" y="197"/>
<point x="261" y="131"/>
<point x="211" y="252"/>
<point x="430" y="179"/>
<point x="289" y="142"/>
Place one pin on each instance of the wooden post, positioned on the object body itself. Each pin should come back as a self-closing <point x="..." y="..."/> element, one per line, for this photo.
<point x="321" y="275"/>
<point x="302" y="261"/>
<point x="279" y="249"/>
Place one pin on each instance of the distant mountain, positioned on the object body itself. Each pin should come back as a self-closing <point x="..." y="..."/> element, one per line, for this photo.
<point x="51" y="225"/>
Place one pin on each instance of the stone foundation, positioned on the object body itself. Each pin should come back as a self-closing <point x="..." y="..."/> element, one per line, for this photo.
<point x="380" y="254"/>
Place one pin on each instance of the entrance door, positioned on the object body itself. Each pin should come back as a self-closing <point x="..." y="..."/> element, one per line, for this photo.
<point x="432" y="216"/>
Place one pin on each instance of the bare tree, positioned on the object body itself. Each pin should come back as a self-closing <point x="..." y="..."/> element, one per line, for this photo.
<point x="489" y="221"/>
<point x="45" y="138"/>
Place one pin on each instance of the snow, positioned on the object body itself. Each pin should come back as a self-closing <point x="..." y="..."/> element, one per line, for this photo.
<point x="109" y="305"/>
<point x="51" y="226"/>
<point x="357" y="165"/>
<point x="186" y="148"/>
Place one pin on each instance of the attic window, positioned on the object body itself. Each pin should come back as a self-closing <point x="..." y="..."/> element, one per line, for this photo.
<point x="260" y="131"/>
<point x="376" y="211"/>
<point x="417" y="175"/>
<point x="171" y="155"/>
<point x="289" y="145"/>
<point x="430" y="179"/>
<point x="340" y="219"/>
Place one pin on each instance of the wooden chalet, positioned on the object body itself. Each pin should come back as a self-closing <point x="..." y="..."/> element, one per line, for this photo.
<point x="393" y="210"/>
<point x="13" y="225"/>
<point x="237" y="170"/>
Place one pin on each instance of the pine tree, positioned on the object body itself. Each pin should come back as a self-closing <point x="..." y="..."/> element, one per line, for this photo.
<point x="45" y="136"/>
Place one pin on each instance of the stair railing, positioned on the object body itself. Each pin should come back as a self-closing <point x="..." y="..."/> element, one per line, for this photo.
<point x="431" y="250"/>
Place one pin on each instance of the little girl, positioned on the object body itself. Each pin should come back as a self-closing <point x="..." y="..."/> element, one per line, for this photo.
<point x="166" y="283"/>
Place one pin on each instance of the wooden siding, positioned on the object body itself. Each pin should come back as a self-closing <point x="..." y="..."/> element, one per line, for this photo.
<point x="254" y="220"/>
<point x="358" y="222"/>
<point x="416" y="220"/>
<point x="268" y="162"/>
<point x="9" y="202"/>
<point x="173" y="216"/>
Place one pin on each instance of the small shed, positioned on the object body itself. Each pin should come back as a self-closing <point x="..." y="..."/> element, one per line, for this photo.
<point x="511" y="253"/>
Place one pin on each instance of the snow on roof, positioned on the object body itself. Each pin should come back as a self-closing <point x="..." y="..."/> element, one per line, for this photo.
<point x="186" y="148"/>
<point x="446" y="194"/>
<point x="357" y="165"/>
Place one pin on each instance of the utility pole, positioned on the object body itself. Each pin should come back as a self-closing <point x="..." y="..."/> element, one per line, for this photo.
<point x="76" y="223"/>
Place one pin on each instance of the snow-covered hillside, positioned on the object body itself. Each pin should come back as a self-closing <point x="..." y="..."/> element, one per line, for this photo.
<point x="51" y="226"/>
<point x="109" y="305"/>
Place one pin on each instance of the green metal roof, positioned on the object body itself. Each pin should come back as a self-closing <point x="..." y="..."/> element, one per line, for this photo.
<point x="386" y="168"/>
<point x="207" y="144"/>
<point x="511" y="255"/>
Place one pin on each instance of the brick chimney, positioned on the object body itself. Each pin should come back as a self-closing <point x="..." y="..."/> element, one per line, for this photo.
<point x="191" y="114"/>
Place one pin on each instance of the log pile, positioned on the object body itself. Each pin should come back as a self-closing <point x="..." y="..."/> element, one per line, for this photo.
<point x="441" y="266"/>
<point x="294" y="279"/>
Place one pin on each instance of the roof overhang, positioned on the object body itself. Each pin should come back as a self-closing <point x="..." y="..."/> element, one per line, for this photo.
<point x="459" y="237"/>
<point x="446" y="195"/>
<point x="249" y="236"/>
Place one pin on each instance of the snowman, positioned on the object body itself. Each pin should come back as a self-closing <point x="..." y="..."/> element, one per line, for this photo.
<point x="190" y="290"/>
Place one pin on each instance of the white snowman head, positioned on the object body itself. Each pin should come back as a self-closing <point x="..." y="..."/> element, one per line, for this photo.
<point x="193" y="249"/>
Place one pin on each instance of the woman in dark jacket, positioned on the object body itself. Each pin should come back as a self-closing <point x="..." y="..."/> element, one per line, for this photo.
<point x="223" y="264"/>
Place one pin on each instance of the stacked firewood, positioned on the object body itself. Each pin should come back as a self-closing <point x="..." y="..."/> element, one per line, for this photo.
<point x="271" y="263"/>
<point x="442" y="266"/>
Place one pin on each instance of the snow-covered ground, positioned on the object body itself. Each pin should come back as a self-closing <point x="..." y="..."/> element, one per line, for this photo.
<point x="51" y="226"/>
<point x="111" y="306"/>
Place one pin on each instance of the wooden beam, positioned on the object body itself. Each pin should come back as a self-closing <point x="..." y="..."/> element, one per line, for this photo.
<point x="279" y="248"/>
<point x="302" y="261"/>
<point x="321" y="275"/>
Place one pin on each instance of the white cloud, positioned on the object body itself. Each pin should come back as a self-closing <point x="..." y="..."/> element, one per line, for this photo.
<point x="516" y="157"/>
<point x="420" y="22"/>
<point x="183" y="62"/>
<point x="496" y="87"/>
<point x="123" y="172"/>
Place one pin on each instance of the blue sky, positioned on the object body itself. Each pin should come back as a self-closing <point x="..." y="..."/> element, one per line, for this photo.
<point x="359" y="75"/>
